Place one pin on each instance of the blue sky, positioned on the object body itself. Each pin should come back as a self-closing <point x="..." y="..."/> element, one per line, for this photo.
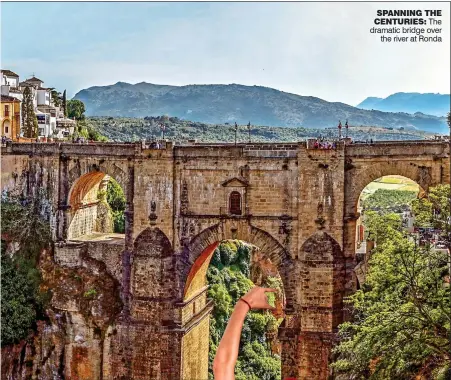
<point x="316" y="49"/>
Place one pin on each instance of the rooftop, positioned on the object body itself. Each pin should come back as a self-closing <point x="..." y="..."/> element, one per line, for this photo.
<point x="6" y="98"/>
<point x="9" y="73"/>
<point x="34" y="79"/>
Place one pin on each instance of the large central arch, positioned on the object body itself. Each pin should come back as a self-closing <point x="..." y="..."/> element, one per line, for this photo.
<point x="197" y="255"/>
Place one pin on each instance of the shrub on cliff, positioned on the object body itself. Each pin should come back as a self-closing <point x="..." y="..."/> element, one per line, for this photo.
<point x="26" y="228"/>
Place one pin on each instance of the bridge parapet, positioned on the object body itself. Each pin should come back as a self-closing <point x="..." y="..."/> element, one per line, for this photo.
<point x="399" y="148"/>
<point x="96" y="149"/>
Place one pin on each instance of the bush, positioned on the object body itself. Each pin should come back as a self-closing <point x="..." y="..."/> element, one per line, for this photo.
<point x="24" y="220"/>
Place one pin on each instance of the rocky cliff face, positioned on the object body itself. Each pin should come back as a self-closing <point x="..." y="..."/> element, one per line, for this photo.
<point x="84" y="306"/>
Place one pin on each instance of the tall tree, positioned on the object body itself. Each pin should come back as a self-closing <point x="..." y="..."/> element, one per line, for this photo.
<point x="76" y="109"/>
<point x="401" y="323"/>
<point x="29" y="120"/>
<point x="56" y="96"/>
<point x="64" y="104"/>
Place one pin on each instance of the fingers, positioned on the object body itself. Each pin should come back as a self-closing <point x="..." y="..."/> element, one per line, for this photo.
<point x="269" y="290"/>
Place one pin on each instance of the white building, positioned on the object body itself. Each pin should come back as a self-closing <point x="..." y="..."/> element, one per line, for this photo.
<point x="51" y="120"/>
<point x="9" y="79"/>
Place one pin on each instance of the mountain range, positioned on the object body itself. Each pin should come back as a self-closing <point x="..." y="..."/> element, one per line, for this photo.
<point x="238" y="103"/>
<point x="410" y="102"/>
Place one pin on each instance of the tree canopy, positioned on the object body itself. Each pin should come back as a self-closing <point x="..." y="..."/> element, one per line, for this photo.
<point x="75" y="109"/>
<point x="401" y="315"/>
<point x="385" y="200"/>
<point x="24" y="221"/>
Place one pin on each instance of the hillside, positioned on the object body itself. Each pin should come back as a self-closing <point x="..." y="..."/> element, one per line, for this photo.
<point x="410" y="102"/>
<point x="134" y="129"/>
<point x="229" y="103"/>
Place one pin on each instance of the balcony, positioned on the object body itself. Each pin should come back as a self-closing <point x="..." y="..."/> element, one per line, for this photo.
<point x="65" y="123"/>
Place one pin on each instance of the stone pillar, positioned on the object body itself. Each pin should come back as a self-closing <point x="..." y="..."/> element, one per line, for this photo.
<point x="63" y="197"/>
<point x="289" y="333"/>
<point x="128" y="251"/>
<point x="322" y="275"/>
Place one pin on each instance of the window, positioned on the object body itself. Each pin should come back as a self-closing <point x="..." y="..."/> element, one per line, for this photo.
<point x="6" y="129"/>
<point x="235" y="203"/>
<point x="6" y="110"/>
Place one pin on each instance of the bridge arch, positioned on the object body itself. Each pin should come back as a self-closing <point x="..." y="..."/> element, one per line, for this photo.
<point x="197" y="255"/>
<point x="86" y="212"/>
<point x="358" y="179"/>
<point x="199" y="250"/>
<point x="81" y="168"/>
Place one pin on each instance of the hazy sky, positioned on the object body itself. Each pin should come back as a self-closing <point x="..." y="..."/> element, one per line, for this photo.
<point x="315" y="49"/>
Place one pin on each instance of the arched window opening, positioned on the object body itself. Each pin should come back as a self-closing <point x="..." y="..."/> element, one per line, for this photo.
<point x="235" y="203"/>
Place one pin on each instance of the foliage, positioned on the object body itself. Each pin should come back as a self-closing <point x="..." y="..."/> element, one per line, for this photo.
<point x="86" y="129"/>
<point x="64" y="103"/>
<point x="227" y="277"/>
<point x="434" y="210"/>
<point x="381" y="227"/>
<point x="401" y="321"/>
<point x="178" y="130"/>
<point x="29" y="120"/>
<point x="24" y="221"/>
<point x="91" y="293"/>
<point x="116" y="199"/>
<point x="56" y="97"/>
<point x="75" y="109"/>
<point x="384" y="200"/>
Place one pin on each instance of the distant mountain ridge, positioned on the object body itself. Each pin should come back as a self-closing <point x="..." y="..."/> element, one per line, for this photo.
<point x="229" y="103"/>
<point x="410" y="102"/>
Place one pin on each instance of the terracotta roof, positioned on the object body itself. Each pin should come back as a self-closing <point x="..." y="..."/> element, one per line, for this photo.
<point x="34" y="79"/>
<point x="6" y="98"/>
<point x="25" y="84"/>
<point x="9" y="73"/>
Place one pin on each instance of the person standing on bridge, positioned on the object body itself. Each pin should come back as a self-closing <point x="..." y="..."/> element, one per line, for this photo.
<point x="227" y="353"/>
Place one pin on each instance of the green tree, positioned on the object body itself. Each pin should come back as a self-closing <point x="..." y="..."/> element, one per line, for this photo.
<point x="433" y="210"/>
<point x="29" y="120"/>
<point x="75" y="109"/>
<point x="381" y="227"/>
<point x="64" y="103"/>
<point x="116" y="199"/>
<point x="401" y="322"/>
<point x="384" y="200"/>
<point x="56" y="97"/>
<point x="24" y="221"/>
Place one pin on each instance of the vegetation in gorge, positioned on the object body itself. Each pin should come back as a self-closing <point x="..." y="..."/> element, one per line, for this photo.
<point x="26" y="232"/>
<point x="129" y="129"/>
<point x="401" y="315"/>
<point x="228" y="277"/>
<point x="114" y="198"/>
<point x="384" y="200"/>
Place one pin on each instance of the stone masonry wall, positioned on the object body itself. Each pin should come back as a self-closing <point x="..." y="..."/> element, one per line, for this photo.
<point x="298" y="206"/>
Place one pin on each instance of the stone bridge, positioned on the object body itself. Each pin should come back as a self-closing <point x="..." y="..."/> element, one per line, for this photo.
<point x="298" y="205"/>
